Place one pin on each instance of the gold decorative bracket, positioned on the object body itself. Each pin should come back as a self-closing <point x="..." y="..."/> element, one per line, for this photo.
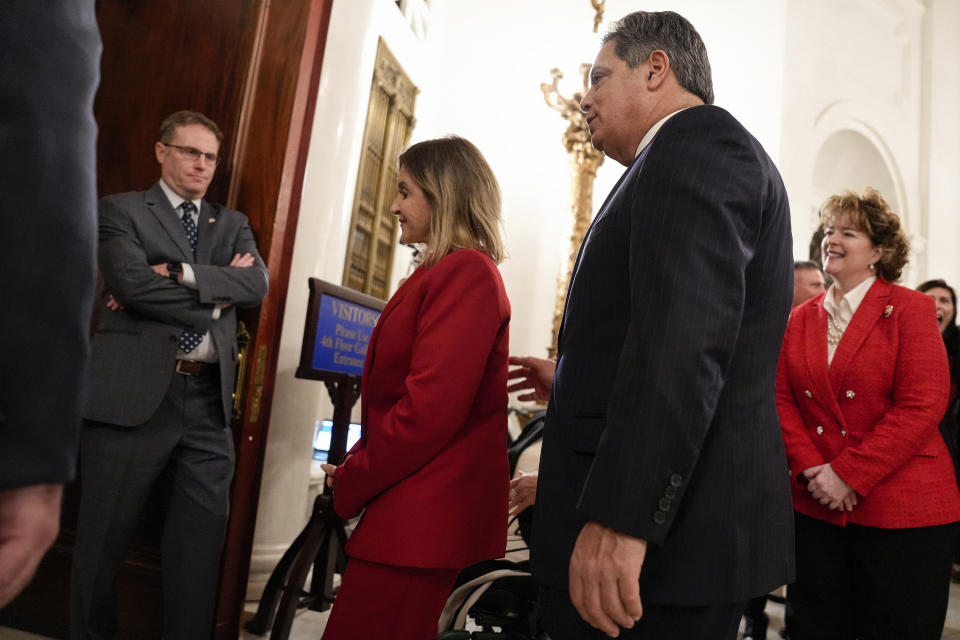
<point x="598" y="15"/>
<point x="243" y="344"/>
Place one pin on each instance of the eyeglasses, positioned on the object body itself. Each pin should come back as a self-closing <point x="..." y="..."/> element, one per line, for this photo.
<point x="192" y="154"/>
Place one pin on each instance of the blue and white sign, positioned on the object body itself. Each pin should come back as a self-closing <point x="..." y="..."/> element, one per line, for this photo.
<point x="343" y="335"/>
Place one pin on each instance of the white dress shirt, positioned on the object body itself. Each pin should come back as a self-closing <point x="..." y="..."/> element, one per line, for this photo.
<point x="842" y="312"/>
<point x="648" y="136"/>
<point x="206" y="351"/>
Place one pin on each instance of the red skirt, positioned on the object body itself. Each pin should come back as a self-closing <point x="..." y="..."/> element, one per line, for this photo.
<point x="384" y="601"/>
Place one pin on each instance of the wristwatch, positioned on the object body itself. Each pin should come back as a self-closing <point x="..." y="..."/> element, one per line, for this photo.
<point x="174" y="269"/>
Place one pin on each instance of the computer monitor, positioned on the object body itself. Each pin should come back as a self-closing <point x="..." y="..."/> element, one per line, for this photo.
<point x="321" y="445"/>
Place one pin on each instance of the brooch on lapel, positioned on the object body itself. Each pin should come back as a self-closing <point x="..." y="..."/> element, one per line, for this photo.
<point x="888" y="311"/>
<point x="212" y="220"/>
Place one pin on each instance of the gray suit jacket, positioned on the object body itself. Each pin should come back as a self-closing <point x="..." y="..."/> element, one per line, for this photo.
<point x="662" y="421"/>
<point x="134" y="350"/>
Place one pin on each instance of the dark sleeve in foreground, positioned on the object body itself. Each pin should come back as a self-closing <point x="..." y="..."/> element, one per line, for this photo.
<point x="47" y="247"/>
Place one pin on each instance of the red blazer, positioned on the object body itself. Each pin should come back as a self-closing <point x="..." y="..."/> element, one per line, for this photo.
<point x="431" y="464"/>
<point x="873" y="414"/>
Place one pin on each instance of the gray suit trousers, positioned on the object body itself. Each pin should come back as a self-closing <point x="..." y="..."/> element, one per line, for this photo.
<point x="186" y="441"/>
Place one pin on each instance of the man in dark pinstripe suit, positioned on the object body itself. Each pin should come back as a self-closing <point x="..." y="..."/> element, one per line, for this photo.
<point x="663" y="502"/>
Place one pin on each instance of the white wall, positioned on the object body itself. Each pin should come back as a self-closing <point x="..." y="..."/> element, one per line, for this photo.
<point x="940" y="141"/>
<point x="855" y="66"/>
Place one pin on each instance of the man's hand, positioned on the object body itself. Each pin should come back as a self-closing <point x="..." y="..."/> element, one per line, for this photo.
<point x="29" y="522"/>
<point x="830" y="489"/>
<point x="161" y="269"/>
<point x="523" y="492"/>
<point x="536" y="374"/>
<point x="112" y="303"/>
<point x="605" y="578"/>
<point x="245" y="260"/>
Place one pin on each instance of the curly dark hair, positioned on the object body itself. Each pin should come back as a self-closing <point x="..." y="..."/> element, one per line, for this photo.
<point x="871" y="214"/>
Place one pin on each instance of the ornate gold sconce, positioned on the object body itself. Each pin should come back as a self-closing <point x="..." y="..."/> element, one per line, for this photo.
<point x="598" y="13"/>
<point x="584" y="162"/>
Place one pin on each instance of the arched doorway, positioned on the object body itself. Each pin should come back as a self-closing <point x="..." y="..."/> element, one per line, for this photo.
<point x="850" y="160"/>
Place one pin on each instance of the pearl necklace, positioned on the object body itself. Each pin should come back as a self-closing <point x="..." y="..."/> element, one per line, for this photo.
<point x="834" y="332"/>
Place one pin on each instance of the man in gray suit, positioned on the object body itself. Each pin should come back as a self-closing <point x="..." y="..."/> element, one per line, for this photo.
<point x="663" y="500"/>
<point x="163" y="367"/>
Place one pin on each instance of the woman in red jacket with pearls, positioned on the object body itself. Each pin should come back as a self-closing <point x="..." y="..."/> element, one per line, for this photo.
<point x="861" y="387"/>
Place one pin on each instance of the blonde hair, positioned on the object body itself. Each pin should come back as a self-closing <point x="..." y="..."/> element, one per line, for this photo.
<point x="871" y="214"/>
<point x="464" y="197"/>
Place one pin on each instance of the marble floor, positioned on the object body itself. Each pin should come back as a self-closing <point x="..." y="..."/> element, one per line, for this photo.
<point x="308" y="625"/>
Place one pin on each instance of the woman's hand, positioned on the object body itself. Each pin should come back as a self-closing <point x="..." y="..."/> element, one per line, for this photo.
<point x="523" y="492"/>
<point x="331" y="470"/>
<point x="830" y="489"/>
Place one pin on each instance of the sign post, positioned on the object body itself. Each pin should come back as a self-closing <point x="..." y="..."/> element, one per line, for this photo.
<point x="339" y="326"/>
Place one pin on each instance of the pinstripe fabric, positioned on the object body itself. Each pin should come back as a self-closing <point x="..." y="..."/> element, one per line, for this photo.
<point x="662" y="421"/>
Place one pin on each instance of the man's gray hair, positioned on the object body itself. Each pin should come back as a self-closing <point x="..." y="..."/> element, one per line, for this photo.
<point x="639" y="34"/>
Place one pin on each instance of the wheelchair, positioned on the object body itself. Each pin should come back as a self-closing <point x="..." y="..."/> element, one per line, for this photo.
<point x="497" y="599"/>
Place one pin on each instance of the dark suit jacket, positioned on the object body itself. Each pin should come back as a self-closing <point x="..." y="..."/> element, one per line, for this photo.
<point x="431" y="464"/>
<point x="134" y="350"/>
<point x="48" y="77"/>
<point x="662" y="421"/>
<point x="873" y="412"/>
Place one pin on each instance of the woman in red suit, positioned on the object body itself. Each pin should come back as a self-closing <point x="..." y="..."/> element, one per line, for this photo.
<point x="430" y="471"/>
<point x="861" y="387"/>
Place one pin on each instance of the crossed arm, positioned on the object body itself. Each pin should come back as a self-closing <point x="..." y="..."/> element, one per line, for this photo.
<point x="242" y="261"/>
<point x="132" y="280"/>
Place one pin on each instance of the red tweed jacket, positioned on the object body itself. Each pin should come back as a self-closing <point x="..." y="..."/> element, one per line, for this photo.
<point x="431" y="465"/>
<point x="873" y="413"/>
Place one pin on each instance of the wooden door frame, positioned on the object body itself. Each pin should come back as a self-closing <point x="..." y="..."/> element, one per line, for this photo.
<point x="256" y="166"/>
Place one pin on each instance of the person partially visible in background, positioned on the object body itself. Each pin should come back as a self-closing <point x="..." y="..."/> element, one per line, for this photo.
<point x="945" y="298"/>
<point x="808" y="282"/>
